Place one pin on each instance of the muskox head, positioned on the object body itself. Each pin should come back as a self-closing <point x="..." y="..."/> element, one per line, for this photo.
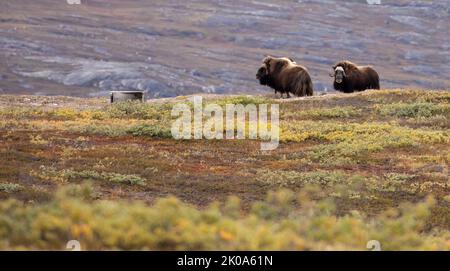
<point x="262" y="75"/>
<point x="339" y="74"/>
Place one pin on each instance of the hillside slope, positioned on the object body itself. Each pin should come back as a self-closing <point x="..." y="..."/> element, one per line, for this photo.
<point x="171" y="48"/>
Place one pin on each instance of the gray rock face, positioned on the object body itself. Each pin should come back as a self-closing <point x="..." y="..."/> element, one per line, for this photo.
<point x="412" y="21"/>
<point x="420" y="70"/>
<point x="26" y="47"/>
<point x="414" y="55"/>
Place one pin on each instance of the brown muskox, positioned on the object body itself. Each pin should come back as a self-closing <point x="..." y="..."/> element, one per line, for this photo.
<point x="349" y="78"/>
<point x="285" y="76"/>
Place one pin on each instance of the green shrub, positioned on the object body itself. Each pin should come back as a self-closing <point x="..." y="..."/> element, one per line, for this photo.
<point x="244" y="100"/>
<point x="393" y="182"/>
<point x="348" y="143"/>
<point x="127" y="179"/>
<point x="98" y="128"/>
<point x="64" y="113"/>
<point x="295" y="178"/>
<point x="150" y="130"/>
<point x="328" y="113"/>
<point x="66" y="175"/>
<point x="10" y="187"/>
<point x="138" y="110"/>
<point x="104" y="176"/>
<point x="337" y="154"/>
<point x="413" y="110"/>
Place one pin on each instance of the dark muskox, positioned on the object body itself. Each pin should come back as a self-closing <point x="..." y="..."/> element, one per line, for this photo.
<point x="285" y="76"/>
<point x="349" y="78"/>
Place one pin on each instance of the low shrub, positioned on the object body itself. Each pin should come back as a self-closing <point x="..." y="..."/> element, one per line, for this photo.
<point x="10" y="187"/>
<point x="138" y="110"/>
<point x="104" y="176"/>
<point x="353" y="142"/>
<point x="243" y="99"/>
<point x="150" y="130"/>
<point x="283" y="178"/>
<point x="328" y="113"/>
<point x="413" y="110"/>
<point x="66" y="175"/>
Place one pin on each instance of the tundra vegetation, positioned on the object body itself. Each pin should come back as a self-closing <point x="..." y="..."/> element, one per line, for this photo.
<point x="349" y="169"/>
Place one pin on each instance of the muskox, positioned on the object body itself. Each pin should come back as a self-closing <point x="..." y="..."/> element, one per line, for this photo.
<point x="349" y="78"/>
<point x="285" y="76"/>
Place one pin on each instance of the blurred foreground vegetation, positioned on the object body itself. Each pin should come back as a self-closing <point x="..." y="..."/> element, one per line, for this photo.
<point x="283" y="221"/>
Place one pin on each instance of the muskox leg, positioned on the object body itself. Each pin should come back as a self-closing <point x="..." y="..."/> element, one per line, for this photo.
<point x="288" y="95"/>
<point x="305" y="89"/>
<point x="309" y="89"/>
<point x="377" y="85"/>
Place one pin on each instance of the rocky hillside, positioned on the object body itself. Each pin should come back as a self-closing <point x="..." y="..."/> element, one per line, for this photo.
<point x="170" y="48"/>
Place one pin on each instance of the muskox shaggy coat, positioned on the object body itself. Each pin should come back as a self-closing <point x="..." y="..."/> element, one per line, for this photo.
<point x="349" y="78"/>
<point x="285" y="76"/>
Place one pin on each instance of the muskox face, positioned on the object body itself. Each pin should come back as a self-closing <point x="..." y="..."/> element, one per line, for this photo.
<point x="262" y="75"/>
<point x="339" y="74"/>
